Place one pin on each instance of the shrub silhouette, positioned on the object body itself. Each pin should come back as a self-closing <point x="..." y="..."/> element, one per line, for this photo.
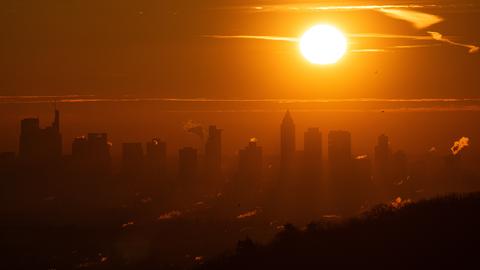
<point x="435" y="233"/>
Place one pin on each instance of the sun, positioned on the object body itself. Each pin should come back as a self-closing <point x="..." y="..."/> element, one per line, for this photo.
<point x="323" y="44"/>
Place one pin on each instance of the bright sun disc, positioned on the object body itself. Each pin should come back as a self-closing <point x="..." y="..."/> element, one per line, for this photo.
<point x="323" y="44"/>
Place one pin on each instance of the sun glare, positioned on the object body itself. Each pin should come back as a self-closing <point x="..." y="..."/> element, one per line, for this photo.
<point x="323" y="44"/>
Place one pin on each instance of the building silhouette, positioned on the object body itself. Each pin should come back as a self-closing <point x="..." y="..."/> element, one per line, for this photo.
<point x="382" y="157"/>
<point x="40" y="146"/>
<point x="313" y="151"/>
<point x="156" y="157"/>
<point x="7" y="162"/>
<point x="132" y="158"/>
<point x="287" y="141"/>
<point x="188" y="163"/>
<point x="341" y="171"/>
<point x="91" y="153"/>
<point x="339" y="150"/>
<point x="213" y="151"/>
<point x="250" y="161"/>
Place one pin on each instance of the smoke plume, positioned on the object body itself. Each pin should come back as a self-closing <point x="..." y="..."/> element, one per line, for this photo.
<point x="195" y="128"/>
<point x="459" y="145"/>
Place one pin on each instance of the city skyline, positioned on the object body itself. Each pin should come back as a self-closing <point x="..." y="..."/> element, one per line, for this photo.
<point x="239" y="134"/>
<point x="45" y="145"/>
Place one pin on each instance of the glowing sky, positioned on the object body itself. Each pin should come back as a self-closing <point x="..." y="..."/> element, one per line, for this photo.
<point x="237" y="49"/>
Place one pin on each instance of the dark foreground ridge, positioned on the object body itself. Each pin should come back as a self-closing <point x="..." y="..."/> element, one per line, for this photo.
<point x="429" y="234"/>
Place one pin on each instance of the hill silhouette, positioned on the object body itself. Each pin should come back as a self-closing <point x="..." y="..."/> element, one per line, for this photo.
<point x="434" y="233"/>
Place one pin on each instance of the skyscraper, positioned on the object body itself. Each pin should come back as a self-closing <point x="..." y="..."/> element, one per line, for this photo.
<point x="250" y="160"/>
<point x="382" y="157"/>
<point x="213" y="151"/>
<point x="339" y="152"/>
<point x="132" y="158"/>
<point x="92" y="153"/>
<point x="156" y="156"/>
<point x="343" y="183"/>
<point x="188" y="163"/>
<point x="40" y="146"/>
<point x="287" y="141"/>
<point x="313" y="150"/>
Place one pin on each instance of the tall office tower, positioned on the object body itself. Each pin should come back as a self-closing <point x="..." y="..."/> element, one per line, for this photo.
<point x="92" y="153"/>
<point x="7" y="162"/>
<point x="250" y="161"/>
<point x="40" y="146"/>
<point x="343" y="182"/>
<point x="313" y="150"/>
<point x="287" y="141"/>
<point x="339" y="152"/>
<point x="382" y="157"/>
<point x="188" y="163"/>
<point x="156" y="157"/>
<point x="213" y="151"/>
<point x="132" y="158"/>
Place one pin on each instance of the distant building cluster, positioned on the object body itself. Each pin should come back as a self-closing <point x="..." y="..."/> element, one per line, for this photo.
<point x="349" y="180"/>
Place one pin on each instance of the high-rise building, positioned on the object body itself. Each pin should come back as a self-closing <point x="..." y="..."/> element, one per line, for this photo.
<point x="287" y="141"/>
<point x="40" y="145"/>
<point x="213" y="150"/>
<point x="339" y="151"/>
<point x="250" y="160"/>
<point x="156" y="156"/>
<point x="313" y="150"/>
<point x="382" y="154"/>
<point x="92" y="153"/>
<point x="7" y="162"/>
<point x="339" y="146"/>
<point x="188" y="163"/>
<point x="132" y="158"/>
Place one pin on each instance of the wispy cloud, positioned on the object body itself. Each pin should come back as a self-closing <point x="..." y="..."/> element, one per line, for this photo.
<point x="432" y="36"/>
<point x="309" y="7"/>
<point x="419" y="20"/>
<point x="66" y="99"/>
<point x="271" y="38"/>
<point x="368" y="50"/>
<point x="404" y="12"/>
<point x="439" y="37"/>
<point x="220" y="105"/>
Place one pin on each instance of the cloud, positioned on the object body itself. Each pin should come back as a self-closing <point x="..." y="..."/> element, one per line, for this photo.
<point x="296" y="39"/>
<point x="222" y="105"/>
<point x="308" y="7"/>
<point x="439" y="37"/>
<point x="419" y="20"/>
<point x="271" y="38"/>
<point x="431" y="36"/>
<point x="459" y="145"/>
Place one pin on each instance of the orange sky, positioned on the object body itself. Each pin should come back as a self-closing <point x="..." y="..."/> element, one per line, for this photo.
<point x="110" y="52"/>
<point x="159" y="48"/>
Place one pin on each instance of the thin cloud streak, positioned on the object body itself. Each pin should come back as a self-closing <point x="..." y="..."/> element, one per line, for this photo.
<point x="433" y="36"/>
<point x="316" y="7"/>
<point x="65" y="99"/>
<point x="439" y="37"/>
<point x="368" y="50"/>
<point x="213" y="105"/>
<point x="271" y="38"/>
<point x="296" y="39"/>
